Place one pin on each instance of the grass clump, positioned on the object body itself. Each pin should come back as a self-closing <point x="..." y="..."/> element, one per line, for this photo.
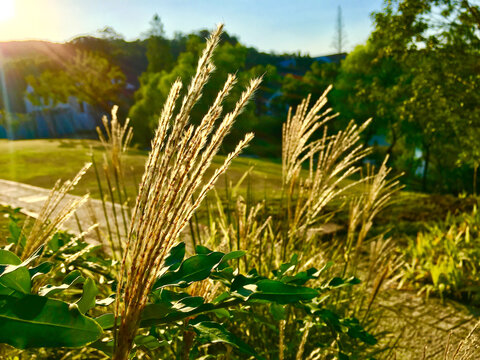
<point x="181" y="154"/>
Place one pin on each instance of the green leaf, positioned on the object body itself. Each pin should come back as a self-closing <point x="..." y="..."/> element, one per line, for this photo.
<point x="233" y="255"/>
<point x="202" y="250"/>
<point x="277" y="291"/>
<point x="9" y="258"/>
<point x="15" y="277"/>
<point x="212" y="332"/>
<point x="41" y="269"/>
<point x="277" y="311"/>
<point x="104" y="346"/>
<point x="87" y="301"/>
<point x="70" y="280"/>
<point x="175" y="257"/>
<point x="193" y="269"/>
<point x="36" y="321"/>
<point x="148" y="341"/>
<point x="106" y="321"/>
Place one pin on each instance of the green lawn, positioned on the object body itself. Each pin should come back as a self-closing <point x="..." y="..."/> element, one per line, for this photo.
<point x="42" y="162"/>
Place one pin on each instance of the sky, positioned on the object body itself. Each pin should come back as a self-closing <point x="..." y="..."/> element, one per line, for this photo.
<point x="305" y="26"/>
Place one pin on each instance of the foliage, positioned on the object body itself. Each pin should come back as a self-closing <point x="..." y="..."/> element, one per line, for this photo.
<point x="38" y="313"/>
<point x="418" y="76"/>
<point x="444" y="259"/>
<point x="89" y="77"/>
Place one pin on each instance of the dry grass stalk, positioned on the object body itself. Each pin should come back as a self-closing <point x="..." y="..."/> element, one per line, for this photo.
<point x="377" y="194"/>
<point x="116" y="143"/>
<point x="53" y="213"/>
<point x="118" y="138"/>
<point x="468" y="348"/>
<point x="245" y="231"/>
<point x="332" y="159"/>
<point x="181" y="154"/>
<point x="296" y="133"/>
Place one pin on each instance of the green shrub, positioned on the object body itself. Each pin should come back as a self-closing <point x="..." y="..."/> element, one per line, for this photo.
<point x="445" y="258"/>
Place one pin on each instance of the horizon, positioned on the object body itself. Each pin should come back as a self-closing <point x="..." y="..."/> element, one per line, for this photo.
<point x="310" y="32"/>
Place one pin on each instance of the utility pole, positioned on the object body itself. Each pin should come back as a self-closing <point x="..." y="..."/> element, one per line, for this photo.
<point x="339" y="38"/>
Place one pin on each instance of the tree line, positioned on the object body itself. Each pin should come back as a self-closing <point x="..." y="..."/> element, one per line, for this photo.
<point x="417" y="76"/>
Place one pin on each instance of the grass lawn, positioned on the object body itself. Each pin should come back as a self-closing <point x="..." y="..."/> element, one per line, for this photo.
<point x="42" y="162"/>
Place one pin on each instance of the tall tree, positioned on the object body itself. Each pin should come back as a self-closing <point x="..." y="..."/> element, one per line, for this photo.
<point x="422" y="75"/>
<point x="158" y="48"/>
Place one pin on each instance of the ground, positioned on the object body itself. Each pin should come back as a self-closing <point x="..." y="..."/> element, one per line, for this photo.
<point x="425" y="325"/>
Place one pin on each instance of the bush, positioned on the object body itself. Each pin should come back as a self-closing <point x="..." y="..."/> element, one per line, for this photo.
<point x="445" y="258"/>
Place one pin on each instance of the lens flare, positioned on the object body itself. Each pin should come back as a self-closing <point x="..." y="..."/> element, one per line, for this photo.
<point x="7" y="9"/>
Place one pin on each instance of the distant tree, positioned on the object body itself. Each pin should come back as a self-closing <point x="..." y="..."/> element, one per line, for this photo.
<point x="110" y="33"/>
<point x="88" y="76"/>
<point x="340" y="37"/>
<point x="159" y="54"/>
<point x="155" y="86"/>
<point x="419" y="76"/>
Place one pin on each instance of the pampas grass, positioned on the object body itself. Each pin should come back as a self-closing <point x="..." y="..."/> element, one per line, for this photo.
<point x="331" y="159"/>
<point x="55" y="211"/>
<point x="181" y="154"/>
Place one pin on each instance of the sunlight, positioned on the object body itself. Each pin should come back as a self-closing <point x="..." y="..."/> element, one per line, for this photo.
<point x="7" y="9"/>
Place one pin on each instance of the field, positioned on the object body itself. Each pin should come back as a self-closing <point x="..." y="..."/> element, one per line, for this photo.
<point x="42" y="162"/>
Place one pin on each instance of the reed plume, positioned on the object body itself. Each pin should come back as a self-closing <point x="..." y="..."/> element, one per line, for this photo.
<point x="55" y="211"/>
<point x="331" y="159"/>
<point x="175" y="170"/>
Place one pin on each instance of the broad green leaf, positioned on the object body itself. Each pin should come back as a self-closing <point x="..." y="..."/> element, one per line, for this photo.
<point x="233" y="255"/>
<point x="193" y="269"/>
<point x="281" y="293"/>
<point x="9" y="258"/>
<point x="13" y="276"/>
<point x="36" y="321"/>
<point x="148" y="341"/>
<point x="70" y="280"/>
<point x="106" y="321"/>
<point x="202" y="250"/>
<point x="175" y="257"/>
<point x="212" y="332"/>
<point x="87" y="301"/>
<point x="43" y="268"/>
<point x="163" y="313"/>
<point x="277" y="311"/>
<point x="104" y="346"/>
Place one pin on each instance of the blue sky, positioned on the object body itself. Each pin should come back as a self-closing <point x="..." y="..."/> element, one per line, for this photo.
<point x="269" y="25"/>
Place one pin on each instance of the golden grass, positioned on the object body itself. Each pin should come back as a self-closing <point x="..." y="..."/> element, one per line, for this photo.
<point x="181" y="154"/>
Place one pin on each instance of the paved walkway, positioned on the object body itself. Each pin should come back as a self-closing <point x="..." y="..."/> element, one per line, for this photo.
<point x="31" y="199"/>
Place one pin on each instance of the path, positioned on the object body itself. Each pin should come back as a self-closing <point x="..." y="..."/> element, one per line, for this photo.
<point x="31" y="199"/>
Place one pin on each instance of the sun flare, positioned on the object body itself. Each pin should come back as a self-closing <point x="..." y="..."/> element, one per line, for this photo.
<point x="7" y="9"/>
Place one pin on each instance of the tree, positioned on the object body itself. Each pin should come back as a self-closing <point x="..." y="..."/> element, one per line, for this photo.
<point x="155" y="86"/>
<point x="87" y="76"/>
<point x="420" y="76"/>
<point x="158" y="48"/>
